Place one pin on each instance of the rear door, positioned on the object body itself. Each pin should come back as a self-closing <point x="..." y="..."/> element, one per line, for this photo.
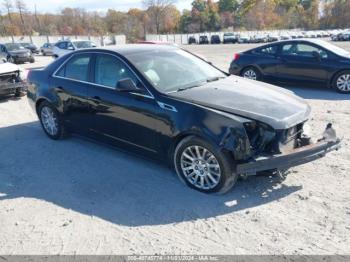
<point x="299" y="65"/>
<point x="70" y="83"/>
<point x="266" y="59"/>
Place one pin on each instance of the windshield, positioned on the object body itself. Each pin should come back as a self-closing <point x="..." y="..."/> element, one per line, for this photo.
<point x="83" y="44"/>
<point x="174" y="70"/>
<point x="12" y="47"/>
<point x="335" y="49"/>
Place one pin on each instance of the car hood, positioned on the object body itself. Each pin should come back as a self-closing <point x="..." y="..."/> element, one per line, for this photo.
<point x="277" y="107"/>
<point x="8" y="68"/>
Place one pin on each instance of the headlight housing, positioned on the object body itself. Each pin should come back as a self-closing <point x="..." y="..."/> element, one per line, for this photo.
<point x="259" y="134"/>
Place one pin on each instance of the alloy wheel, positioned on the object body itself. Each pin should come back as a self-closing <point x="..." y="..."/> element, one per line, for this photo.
<point x="343" y="83"/>
<point x="200" y="167"/>
<point x="250" y="74"/>
<point x="49" y="120"/>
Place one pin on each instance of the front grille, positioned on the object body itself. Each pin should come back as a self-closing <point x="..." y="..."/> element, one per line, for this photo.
<point x="8" y="78"/>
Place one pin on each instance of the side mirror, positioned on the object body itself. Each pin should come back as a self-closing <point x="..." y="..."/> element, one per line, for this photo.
<point x="316" y="55"/>
<point x="4" y="60"/>
<point x="127" y="85"/>
<point x="71" y="48"/>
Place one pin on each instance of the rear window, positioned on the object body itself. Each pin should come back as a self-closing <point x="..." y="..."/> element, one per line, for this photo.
<point x="269" y="50"/>
<point x="76" y="68"/>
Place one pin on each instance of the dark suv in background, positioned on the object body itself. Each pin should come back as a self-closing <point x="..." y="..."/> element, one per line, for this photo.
<point x="203" y="40"/>
<point x="33" y="48"/>
<point x="215" y="39"/>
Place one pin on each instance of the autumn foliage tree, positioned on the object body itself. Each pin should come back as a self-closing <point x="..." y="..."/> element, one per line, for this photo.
<point x="162" y="17"/>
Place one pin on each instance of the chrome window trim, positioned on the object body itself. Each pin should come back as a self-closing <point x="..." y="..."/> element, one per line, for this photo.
<point x="91" y="83"/>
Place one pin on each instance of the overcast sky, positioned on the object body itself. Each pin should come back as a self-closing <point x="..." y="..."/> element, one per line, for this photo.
<point x="55" y="6"/>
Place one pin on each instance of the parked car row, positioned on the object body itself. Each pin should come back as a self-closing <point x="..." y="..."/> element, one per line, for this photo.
<point x="343" y="36"/>
<point x="263" y="37"/>
<point x="24" y="52"/>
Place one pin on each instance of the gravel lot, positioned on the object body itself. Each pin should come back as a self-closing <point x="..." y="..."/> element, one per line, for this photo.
<point x="78" y="197"/>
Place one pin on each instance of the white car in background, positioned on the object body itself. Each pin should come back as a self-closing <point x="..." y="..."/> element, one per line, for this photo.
<point x="66" y="46"/>
<point x="12" y="79"/>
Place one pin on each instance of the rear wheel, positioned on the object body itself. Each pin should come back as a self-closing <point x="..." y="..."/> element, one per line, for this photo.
<point x="51" y="121"/>
<point x="341" y="82"/>
<point x="203" y="166"/>
<point x="251" y="73"/>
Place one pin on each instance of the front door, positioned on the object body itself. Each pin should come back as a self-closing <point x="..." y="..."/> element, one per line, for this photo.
<point x="298" y="64"/>
<point x="124" y="118"/>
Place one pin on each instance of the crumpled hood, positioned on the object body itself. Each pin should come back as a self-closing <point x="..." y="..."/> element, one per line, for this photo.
<point x="272" y="105"/>
<point x="8" y="68"/>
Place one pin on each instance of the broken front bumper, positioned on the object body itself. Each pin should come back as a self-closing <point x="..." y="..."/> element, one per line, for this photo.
<point x="295" y="157"/>
<point x="12" y="88"/>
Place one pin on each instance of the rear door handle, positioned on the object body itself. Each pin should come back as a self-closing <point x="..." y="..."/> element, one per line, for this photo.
<point x="60" y="89"/>
<point x="96" y="99"/>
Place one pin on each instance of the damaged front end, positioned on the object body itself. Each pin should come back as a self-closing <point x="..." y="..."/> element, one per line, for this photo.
<point x="12" y="83"/>
<point x="276" y="150"/>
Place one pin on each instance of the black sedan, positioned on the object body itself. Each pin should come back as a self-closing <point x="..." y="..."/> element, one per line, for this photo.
<point x="165" y="103"/>
<point x="313" y="62"/>
<point x="15" y="53"/>
<point x="33" y="48"/>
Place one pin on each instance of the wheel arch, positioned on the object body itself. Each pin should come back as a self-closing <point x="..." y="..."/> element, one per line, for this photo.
<point x="39" y="102"/>
<point x="335" y="74"/>
<point x="183" y="135"/>
<point x="253" y="66"/>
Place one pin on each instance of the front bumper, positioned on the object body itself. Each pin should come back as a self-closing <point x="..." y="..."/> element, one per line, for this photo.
<point x="22" y="59"/>
<point x="12" y="88"/>
<point x="295" y="157"/>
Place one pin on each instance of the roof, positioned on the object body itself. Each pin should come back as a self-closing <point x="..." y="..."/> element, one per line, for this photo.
<point x="132" y="48"/>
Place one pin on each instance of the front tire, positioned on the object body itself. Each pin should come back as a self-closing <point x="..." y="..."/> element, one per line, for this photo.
<point x="51" y="121"/>
<point x="341" y="82"/>
<point x="204" y="167"/>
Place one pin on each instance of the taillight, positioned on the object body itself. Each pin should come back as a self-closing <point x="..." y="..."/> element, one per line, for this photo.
<point x="28" y="73"/>
<point x="236" y="56"/>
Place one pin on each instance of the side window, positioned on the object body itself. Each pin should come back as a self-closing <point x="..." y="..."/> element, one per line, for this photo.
<point x="76" y="68"/>
<point x="70" y="46"/>
<point x="307" y="50"/>
<point x="109" y="70"/>
<point x="3" y="49"/>
<point x="62" y="45"/>
<point x="288" y="49"/>
<point x="270" y="50"/>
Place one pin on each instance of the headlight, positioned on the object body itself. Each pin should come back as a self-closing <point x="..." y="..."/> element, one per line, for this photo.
<point x="22" y="74"/>
<point x="250" y="126"/>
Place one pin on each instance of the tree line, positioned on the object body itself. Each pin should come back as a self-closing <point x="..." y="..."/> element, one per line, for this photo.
<point x="162" y="17"/>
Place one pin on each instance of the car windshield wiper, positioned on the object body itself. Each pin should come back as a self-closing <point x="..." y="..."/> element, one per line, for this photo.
<point x="198" y="83"/>
<point x="215" y="78"/>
